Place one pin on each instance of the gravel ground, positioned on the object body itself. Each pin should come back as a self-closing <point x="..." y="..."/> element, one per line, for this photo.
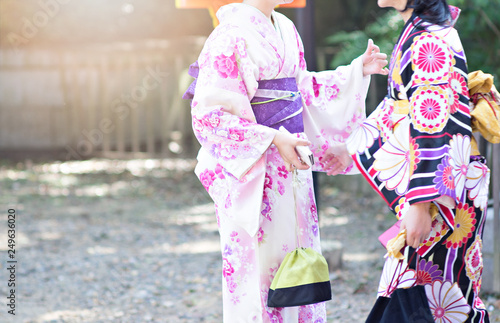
<point x="136" y="241"/>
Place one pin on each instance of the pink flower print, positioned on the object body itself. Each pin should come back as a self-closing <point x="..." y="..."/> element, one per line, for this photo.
<point x="260" y="235"/>
<point x="431" y="57"/>
<point x="275" y="315"/>
<point x="218" y="171"/>
<point x="266" y="207"/>
<point x="430" y="109"/>
<point x="332" y="92"/>
<point x="236" y="134"/>
<point x="281" y="188"/>
<point x="235" y="299"/>
<point x="315" y="230"/>
<point x="197" y="125"/>
<point x="282" y="172"/>
<point x="305" y="314"/>
<point x="212" y="120"/>
<point x="302" y="61"/>
<point x="458" y="84"/>
<point x="268" y="182"/>
<point x="316" y="87"/>
<point x="387" y="118"/>
<point x="207" y="178"/>
<point x="231" y="284"/>
<point x="314" y="212"/>
<point x="241" y="45"/>
<point x="226" y="66"/>
<point x="242" y="88"/>
<point x="474" y="260"/>
<point x="227" y="269"/>
<point x="227" y="250"/>
<point x="307" y="98"/>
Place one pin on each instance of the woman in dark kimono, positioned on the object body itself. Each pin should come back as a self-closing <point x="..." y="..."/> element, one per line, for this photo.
<point x="417" y="151"/>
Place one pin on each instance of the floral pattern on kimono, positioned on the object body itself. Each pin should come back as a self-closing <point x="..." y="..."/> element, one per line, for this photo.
<point x="241" y="169"/>
<point x="416" y="147"/>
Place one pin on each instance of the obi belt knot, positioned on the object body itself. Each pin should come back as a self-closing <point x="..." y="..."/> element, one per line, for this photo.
<point x="278" y="103"/>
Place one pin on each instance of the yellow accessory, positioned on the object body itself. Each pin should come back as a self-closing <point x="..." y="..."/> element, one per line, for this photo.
<point x="486" y="101"/>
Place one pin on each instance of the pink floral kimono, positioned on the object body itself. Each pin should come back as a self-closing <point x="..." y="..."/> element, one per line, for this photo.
<point x="241" y="169"/>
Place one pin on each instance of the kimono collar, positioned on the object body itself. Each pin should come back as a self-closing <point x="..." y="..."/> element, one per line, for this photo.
<point x="241" y="12"/>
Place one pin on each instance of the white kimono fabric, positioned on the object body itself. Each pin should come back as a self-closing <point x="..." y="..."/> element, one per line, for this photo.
<point x="240" y="168"/>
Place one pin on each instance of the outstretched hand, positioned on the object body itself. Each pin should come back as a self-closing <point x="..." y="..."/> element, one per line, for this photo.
<point x="374" y="61"/>
<point x="286" y="144"/>
<point x="336" y="159"/>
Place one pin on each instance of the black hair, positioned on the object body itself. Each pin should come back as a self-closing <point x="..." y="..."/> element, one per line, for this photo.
<point x="434" y="11"/>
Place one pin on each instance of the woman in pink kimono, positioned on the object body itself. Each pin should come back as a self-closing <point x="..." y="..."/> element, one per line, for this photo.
<point x="252" y="80"/>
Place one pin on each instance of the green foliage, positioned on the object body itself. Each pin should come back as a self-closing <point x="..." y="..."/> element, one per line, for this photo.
<point x="384" y="32"/>
<point x="479" y="29"/>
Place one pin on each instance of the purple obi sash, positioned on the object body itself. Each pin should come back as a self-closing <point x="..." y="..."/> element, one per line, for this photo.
<point x="194" y="70"/>
<point x="278" y="103"/>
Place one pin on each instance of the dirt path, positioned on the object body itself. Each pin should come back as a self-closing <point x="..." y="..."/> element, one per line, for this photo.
<point x="136" y="241"/>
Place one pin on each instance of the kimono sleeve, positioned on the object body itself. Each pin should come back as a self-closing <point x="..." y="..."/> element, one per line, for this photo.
<point x="334" y="103"/>
<point x="221" y="113"/>
<point x="440" y="133"/>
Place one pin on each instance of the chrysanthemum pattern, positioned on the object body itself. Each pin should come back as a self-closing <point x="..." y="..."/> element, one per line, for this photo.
<point x="474" y="260"/>
<point x="431" y="58"/>
<point x="447" y="302"/>
<point x="477" y="182"/>
<point x="458" y="83"/>
<point x="429" y="109"/>
<point x="460" y="148"/>
<point x="397" y="160"/>
<point x="444" y="180"/>
<point x="464" y="226"/>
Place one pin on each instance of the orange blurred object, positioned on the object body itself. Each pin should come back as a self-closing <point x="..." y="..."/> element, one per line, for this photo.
<point x="216" y="4"/>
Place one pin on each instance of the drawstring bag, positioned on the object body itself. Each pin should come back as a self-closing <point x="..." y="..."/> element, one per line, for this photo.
<point x="302" y="278"/>
<point x="405" y="305"/>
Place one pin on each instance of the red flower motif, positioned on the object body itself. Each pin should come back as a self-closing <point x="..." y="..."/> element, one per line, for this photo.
<point x="282" y="172"/>
<point x="431" y="58"/>
<point x="316" y="87"/>
<point x="332" y="92"/>
<point x="207" y="178"/>
<point x="236" y="134"/>
<point x="458" y="84"/>
<point x="226" y="66"/>
<point x="227" y="269"/>
<point x="430" y="109"/>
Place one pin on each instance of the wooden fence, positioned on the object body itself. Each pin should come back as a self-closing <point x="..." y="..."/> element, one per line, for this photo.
<point x="120" y="100"/>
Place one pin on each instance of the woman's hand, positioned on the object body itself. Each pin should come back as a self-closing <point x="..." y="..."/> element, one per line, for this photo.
<point x="286" y="144"/>
<point x="336" y="159"/>
<point x="373" y="60"/>
<point x="418" y="224"/>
